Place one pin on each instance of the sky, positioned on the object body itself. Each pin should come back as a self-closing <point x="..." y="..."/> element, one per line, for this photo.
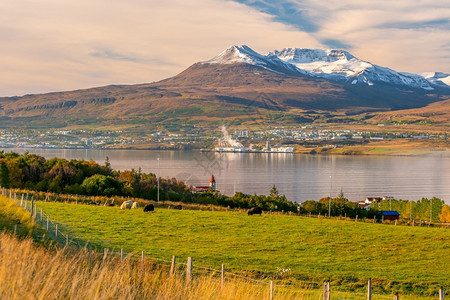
<point x="54" y="45"/>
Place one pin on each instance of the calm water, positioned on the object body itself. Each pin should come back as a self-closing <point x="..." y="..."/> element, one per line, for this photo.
<point x="299" y="177"/>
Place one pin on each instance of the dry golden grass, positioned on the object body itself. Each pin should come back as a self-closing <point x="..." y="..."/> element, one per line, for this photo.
<point x="30" y="272"/>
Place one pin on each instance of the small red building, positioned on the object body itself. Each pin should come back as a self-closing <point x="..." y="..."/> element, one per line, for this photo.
<point x="206" y="188"/>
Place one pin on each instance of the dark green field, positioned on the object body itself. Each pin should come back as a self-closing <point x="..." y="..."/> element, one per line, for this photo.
<point x="397" y="258"/>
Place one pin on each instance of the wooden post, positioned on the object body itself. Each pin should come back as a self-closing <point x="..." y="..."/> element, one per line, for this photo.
<point x="172" y="266"/>
<point x="67" y="240"/>
<point x="222" y="275"/>
<point x="369" y="290"/>
<point x="48" y="223"/>
<point x="441" y="293"/>
<point x="356" y="220"/>
<point x="326" y="290"/>
<point x="413" y="223"/>
<point x="105" y="253"/>
<point x="15" y="229"/>
<point x="121" y="254"/>
<point x="56" y="231"/>
<point x="32" y="207"/>
<point x="42" y="215"/>
<point x="271" y="290"/>
<point x="395" y="222"/>
<point x="374" y="219"/>
<point x="396" y="297"/>
<point x="189" y="269"/>
<point x="143" y="255"/>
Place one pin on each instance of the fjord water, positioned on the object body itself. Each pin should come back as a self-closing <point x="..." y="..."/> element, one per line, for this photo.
<point x="299" y="177"/>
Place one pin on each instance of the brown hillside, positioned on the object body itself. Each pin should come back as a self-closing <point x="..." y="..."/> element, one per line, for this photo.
<point x="203" y="93"/>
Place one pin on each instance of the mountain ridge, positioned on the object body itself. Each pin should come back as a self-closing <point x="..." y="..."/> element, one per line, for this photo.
<point x="238" y="85"/>
<point x="331" y="64"/>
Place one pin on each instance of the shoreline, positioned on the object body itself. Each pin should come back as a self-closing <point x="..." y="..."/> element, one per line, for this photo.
<point x="385" y="149"/>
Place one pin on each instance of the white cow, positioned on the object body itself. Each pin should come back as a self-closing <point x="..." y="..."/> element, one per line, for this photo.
<point x="126" y="204"/>
<point x="135" y="205"/>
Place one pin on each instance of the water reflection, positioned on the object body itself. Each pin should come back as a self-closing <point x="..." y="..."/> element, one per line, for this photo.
<point x="299" y="177"/>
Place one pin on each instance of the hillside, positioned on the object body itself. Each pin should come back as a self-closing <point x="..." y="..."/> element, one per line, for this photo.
<point x="238" y="85"/>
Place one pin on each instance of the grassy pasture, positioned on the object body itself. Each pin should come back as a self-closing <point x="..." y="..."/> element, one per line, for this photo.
<point x="397" y="258"/>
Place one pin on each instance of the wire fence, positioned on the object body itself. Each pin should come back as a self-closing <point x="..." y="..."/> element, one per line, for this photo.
<point x="58" y="233"/>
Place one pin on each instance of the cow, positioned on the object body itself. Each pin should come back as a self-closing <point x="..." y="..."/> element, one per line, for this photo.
<point x="254" y="211"/>
<point x="178" y="207"/>
<point x="135" y="205"/>
<point x="149" y="207"/>
<point x="126" y="204"/>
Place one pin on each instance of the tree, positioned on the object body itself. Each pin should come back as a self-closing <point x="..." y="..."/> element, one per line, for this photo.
<point x="4" y="175"/>
<point x="101" y="185"/>
<point x="274" y="192"/>
<point x="444" y="216"/>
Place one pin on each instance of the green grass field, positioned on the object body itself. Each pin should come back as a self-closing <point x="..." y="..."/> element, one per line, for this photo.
<point x="397" y="258"/>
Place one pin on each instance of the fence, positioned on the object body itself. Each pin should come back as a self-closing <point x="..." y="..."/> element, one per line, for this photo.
<point x="116" y="200"/>
<point x="56" y="232"/>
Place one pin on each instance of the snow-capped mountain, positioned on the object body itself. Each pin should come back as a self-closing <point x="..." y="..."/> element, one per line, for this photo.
<point x="437" y="78"/>
<point x="341" y="65"/>
<point x="244" y="54"/>
<point x="334" y="65"/>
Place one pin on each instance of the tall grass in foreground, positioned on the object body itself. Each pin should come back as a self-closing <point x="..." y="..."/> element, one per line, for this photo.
<point x="30" y="272"/>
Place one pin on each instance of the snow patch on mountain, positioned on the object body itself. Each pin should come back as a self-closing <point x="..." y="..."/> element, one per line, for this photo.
<point x="238" y="54"/>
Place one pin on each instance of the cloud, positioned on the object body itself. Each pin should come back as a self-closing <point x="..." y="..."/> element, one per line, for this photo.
<point x="405" y="35"/>
<point x="53" y="45"/>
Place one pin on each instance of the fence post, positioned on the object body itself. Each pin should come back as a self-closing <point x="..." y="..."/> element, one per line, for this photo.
<point x="143" y="255"/>
<point x="32" y="207"/>
<point x="67" y="240"/>
<point x="48" y="222"/>
<point x="374" y="219"/>
<point x="271" y="290"/>
<point x="42" y="215"/>
<point x="369" y="290"/>
<point x="396" y="297"/>
<point x="222" y="275"/>
<point x="356" y="220"/>
<point x="105" y="253"/>
<point x="441" y="293"/>
<point x="326" y="290"/>
<point x="56" y="232"/>
<point x="172" y="266"/>
<point x="15" y="229"/>
<point x="121" y="254"/>
<point x="189" y="269"/>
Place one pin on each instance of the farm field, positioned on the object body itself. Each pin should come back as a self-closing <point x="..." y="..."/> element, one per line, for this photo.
<point x="396" y="258"/>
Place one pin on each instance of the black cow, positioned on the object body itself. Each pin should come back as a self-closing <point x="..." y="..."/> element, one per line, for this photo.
<point x="254" y="211"/>
<point x="178" y="207"/>
<point x="149" y="207"/>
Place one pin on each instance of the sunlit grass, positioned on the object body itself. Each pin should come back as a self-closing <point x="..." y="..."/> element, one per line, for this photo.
<point x="397" y="258"/>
